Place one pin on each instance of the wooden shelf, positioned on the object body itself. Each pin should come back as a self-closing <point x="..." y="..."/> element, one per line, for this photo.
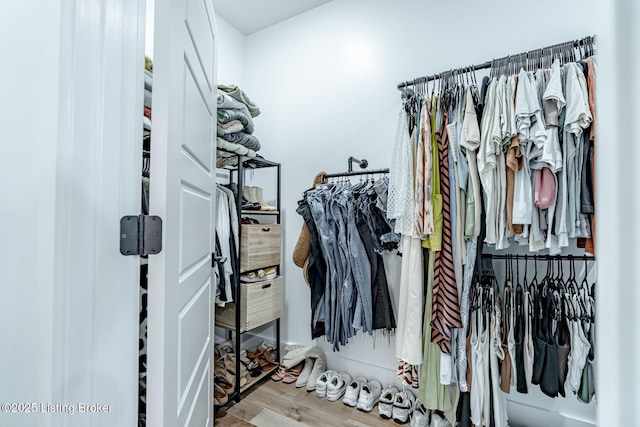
<point x="258" y="212"/>
<point x="254" y="381"/>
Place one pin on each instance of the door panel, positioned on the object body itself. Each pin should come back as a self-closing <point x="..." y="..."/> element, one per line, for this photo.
<point x="199" y="22"/>
<point x="190" y="331"/>
<point x="197" y="139"/>
<point x="195" y="210"/>
<point x="181" y="297"/>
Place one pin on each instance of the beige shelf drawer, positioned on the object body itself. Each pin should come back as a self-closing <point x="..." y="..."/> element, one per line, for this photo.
<point x="260" y="303"/>
<point x="260" y="246"/>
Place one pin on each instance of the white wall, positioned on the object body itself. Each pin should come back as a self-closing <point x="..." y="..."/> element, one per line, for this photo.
<point x="149" y="27"/>
<point x="231" y="49"/>
<point x="326" y="83"/>
<point x="617" y="189"/>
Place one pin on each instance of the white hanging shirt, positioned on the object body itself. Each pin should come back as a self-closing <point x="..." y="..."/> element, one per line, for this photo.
<point x="487" y="162"/>
<point x="400" y="203"/>
<point x="470" y="142"/>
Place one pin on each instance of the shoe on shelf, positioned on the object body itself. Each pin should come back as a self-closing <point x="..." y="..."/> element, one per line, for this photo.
<point x="220" y="397"/>
<point x="421" y="416"/>
<point x="353" y="391"/>
<point x="402" y="406"/>
<point x="250" y="206"/>
<point x="251" y="194"/>
<point x="337" y="386"/>
<point x="249" y="277"/>
<point x="270" y="273"/>
<point x="385" y="405"/>
<point x="254" y="368"/>
<point x="323" y="382"/>
<point x="226" y="385"/>
<point x="369" y="395"/>
<point x="263" y="205"/>
<point x="259" y="275"/>
<point x="265" y="356"/>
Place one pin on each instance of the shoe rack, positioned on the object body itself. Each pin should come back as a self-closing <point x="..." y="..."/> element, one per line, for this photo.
<point x="255" y="304"/>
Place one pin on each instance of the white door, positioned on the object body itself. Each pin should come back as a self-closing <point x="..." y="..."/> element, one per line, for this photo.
<point x="71" y="136"/>
<point x="181" y="292"/>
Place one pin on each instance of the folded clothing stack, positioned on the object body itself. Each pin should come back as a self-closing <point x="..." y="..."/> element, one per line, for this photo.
<point x="235" y="122"/>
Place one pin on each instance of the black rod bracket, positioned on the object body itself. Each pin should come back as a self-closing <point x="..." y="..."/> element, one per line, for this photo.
<point x="363" y="163"/>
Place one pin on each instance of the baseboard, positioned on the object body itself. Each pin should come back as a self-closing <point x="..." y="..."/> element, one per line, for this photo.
<point x="526" y="415"/>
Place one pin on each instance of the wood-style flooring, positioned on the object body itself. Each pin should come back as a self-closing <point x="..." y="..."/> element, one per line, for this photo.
<point x="275" y="404"/>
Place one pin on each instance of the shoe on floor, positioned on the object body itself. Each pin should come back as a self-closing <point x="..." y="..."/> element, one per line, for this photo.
<point x="385" y="404"/>
<point x="337" y="386"/>
<point x="402" y="406"/>
<point x="369" y="395"/>
<point x="421" y="416"/>
<point x="303" y="378"/>
<point x="319" y="366"/>
<point x="353" y="391"/>
<point x="323" y="382"/>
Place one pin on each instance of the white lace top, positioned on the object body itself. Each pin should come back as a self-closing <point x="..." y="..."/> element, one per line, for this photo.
<point x="401" y="195"/>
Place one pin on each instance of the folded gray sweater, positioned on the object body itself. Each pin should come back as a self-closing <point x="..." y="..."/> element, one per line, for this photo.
<point x="242" y="138"/>
<point x="226" y="115"/>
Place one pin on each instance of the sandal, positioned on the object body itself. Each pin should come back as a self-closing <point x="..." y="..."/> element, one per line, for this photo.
<point x="279" y="374"/>
<point x="220" y="397"/>
<point x="252" y="366"/>
<point x="224" y="384"/>
<point x="220" y="370"/>
<point x="229" y="361"/>
<point x="265" y="357"/>
<point x="292" y="374"/>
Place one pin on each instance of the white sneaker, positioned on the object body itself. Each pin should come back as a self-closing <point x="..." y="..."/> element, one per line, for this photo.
<point x="369" y="395"/>
<point x="420" y="416"/>
<point x="353" y="391"/>
<point x="385" y="405"/>
<point x="402" y="406"/>
<point x="337" y="386"/>
<point x="323" y="381"/>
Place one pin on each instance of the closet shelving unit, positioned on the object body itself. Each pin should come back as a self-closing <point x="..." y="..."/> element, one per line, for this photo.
<point x="236" y="328"/>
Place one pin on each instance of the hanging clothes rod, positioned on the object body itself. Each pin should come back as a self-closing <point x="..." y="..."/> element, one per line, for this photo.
<point x="541" y="257"/>
<point x="352" y="173"/>
<point x="590" y="40"/>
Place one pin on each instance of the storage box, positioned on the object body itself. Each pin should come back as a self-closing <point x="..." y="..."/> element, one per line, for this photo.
<point x="259" y="246"/>
<point x="260" y="303"/>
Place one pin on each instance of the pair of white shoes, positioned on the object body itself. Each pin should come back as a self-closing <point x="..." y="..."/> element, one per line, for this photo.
<point x="400" y="404"/>
<point x="362" y="393"/>
<point x="332" y="384"/>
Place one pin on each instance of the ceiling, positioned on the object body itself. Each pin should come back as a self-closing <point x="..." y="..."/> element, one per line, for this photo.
<point x="249" y="16"/>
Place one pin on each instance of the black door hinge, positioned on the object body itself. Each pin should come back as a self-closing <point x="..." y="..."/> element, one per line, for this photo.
<point x="140" y="235"/>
